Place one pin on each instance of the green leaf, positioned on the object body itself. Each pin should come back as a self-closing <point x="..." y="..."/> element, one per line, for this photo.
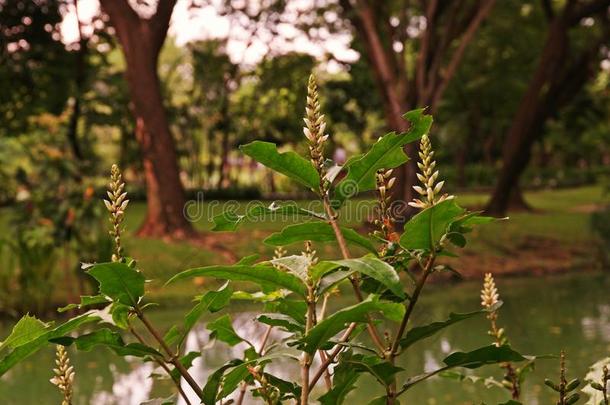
<point x="382" y="370"/>
<point x="230" y="220"/>
<point x="316" y="232"/>
<point x="344" y="381"/>
<point x="249" y="260"/>
<point x="288" y="390"/>
<point x="233" y="378"/>
<point x="259" y="274"/>
<point x="32" y="346"/>
<point x="119" y="282"/>
<point x="210" y="390"/>
<point x="222" y="329"/>
<point x="425" y="230"/>
<point x="120" y="315"/>
<point x="295" y="264"/>
<point x="292" y="308"/>
<point x="112" y="340"/>
<point x="186" y="361"/>
<point x="281" y="321"/>
<point x="27" y="329"/>
<point x="376" y="269"/>
<point x="85" y="301"/>
<point x="212" y="301"/>
<point x="485" y="355"/>
<point x="386" y="153"/>
<point x="422" y="332"/>
<point x="333" y="324"/>
<point x="288" y="163"/>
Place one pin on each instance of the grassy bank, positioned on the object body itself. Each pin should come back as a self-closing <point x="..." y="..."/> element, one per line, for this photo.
<point x="555" y="237"/>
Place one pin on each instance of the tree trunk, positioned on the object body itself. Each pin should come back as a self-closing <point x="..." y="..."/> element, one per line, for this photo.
<point x="555" y="82"/>
<point x="164" y="192"/>
<point x="141" y="40"/>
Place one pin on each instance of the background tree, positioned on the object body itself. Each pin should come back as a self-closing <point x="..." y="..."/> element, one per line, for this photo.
<point x="414" y="52"/>
<point x="141" y="40"/>
<point x="568" y="60"/>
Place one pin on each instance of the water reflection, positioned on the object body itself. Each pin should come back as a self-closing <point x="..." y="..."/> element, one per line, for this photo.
<point x="577" y="306"/>
<point x="131" y="388"/>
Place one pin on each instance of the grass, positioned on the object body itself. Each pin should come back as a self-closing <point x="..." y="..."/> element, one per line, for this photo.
<point x="559" y="224"/>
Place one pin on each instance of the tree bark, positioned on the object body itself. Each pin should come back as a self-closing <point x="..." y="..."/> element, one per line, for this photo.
<point x="553" y="84"/>
<point x="399" y="92"/>
<point x="141" y="41"/>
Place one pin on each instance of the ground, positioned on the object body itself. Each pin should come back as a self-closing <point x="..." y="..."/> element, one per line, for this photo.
<point x="556" y="237"/>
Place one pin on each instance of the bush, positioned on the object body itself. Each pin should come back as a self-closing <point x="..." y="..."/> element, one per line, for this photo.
<point x="295" y="290"/>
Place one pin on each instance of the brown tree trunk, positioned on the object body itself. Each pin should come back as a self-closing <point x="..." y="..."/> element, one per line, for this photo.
<point x="555" y="82"/>
<point x="141" y="40"/>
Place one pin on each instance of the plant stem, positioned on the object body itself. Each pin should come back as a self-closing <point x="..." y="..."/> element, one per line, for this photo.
<point x="307" y="358"/>
<point x="405" y="320"/>
<point x="162" y="364"/>
<point x="261" y="351"/>
<point x="324" y="366"/>
<point x="173" y="357"/>
<point x="412" y="301"/>
<point x="332" y="219"/>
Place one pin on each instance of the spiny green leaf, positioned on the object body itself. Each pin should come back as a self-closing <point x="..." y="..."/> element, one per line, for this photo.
<point x="260" y="274"/>
<point x="85" y="301"/>
<point x="316" y="232"/>
<point x="230" y="220"/>
<point x="386" y="153"/>
<point x="27" y="329"/>
<point x="119" y="282"/>
<point x="281" y="321"/>
<point x="222" y="329"/>
<point x="425" y="230"/>
<point x="25" y="350"/>
<point x="422" y="332"/>
<point x="110" y="339"/>
<point x="288" y="163"/>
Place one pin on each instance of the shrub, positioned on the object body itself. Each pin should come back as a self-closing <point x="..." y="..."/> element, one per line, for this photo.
<point x="295" y="290"/>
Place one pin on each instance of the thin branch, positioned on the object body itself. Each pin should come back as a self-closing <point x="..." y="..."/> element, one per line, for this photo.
<point x="162" y="364"/>
<point x="173" y="357"/>
<point x="412" y="301"/>
<point x="482" y="13"/>
<point x="324" y="366"/>
<point x="354" y="279"/>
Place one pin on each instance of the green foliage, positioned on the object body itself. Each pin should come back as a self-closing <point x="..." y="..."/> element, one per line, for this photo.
<point x="287" y="163"/>
<point x="316" y="232"/>
<point x="294" y="291"/>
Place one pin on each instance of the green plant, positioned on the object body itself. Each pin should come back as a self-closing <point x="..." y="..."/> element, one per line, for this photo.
<point x="564" y="388"/>
<point x="295" y="290"/>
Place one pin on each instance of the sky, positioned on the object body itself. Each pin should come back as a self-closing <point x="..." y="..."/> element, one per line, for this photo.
<point x="206" y="23"/>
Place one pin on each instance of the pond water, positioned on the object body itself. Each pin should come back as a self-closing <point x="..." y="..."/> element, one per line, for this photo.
<point x="541" y="315"/>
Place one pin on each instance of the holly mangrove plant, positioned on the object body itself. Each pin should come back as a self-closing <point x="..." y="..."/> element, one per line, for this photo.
<point x="332" y="343"/>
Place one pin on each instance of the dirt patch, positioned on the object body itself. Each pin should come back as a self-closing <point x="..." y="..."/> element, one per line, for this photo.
<point x="533" y="255"/>
<point x="587" y="208"/>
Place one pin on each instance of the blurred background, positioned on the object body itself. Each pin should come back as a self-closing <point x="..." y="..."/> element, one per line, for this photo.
<point x="519" y="90"/>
